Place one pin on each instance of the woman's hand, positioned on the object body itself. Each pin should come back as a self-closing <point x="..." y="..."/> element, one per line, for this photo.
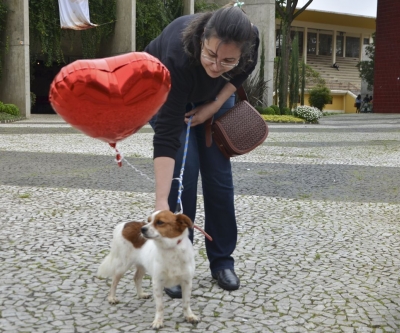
<point x="207" y="110"/>
<point x="202" y="113"/>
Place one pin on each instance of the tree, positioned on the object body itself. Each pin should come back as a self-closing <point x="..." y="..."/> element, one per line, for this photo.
<point x="294" y="74"/>
<point x="307" y="76"/>
<point x="262" y="85"/>
<point x="3" y="39"/>
<point x="366" y="67"/>
<point x="303" y="81"/>
<point x="283" y="71"/>
<point x="286" y="9"/>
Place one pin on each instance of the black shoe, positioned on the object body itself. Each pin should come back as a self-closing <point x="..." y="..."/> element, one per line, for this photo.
<point x="174" y="292"/>
<point x="227" y="279"/>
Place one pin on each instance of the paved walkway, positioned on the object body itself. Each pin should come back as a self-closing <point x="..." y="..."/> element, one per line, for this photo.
<point x="318" y="209"/>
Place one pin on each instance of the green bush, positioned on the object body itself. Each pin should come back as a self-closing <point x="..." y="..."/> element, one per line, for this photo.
<point x="276" y="109"/>
<point x="269" y="111"/>
<point x="2" y="107"/>
<point x="286" y="111"/>
<point x="319" y="97"/>
<point x="259" y="109"/>
<point x="263" y="110"/>
<point x="11" y="109"/>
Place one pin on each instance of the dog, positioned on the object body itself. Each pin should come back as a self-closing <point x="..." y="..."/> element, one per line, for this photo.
<point x="160" y="247"/>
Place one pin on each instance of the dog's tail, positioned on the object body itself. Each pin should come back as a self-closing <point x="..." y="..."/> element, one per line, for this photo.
<point x="106" y="268"/>
<point x="116" y="262"/>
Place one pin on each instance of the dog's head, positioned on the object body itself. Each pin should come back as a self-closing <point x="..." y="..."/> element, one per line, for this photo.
<point x="165" y="224"/>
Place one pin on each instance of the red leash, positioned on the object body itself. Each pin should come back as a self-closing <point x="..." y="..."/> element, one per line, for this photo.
<point x="203" y="232"/>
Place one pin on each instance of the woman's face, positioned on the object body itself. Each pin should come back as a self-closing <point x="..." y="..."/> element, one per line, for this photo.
<point x="218" y="58"/>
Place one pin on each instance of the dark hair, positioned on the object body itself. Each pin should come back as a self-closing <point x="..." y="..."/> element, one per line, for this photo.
<point x="229" y="24"/>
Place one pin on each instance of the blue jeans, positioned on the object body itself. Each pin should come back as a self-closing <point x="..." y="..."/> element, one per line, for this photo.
<point x="217" y="183"/>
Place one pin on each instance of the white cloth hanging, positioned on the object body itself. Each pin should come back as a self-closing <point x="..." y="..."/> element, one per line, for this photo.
<point x="74" y="14"/>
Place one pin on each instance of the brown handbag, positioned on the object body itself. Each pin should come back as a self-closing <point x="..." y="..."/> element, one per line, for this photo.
<point x="240" y="130"/>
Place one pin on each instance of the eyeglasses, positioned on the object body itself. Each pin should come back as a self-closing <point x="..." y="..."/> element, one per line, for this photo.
<point x="214" y="61"/>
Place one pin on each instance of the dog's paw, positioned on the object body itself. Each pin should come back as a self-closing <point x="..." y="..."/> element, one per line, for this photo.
<point x="193" y="319"/>
<point x="157" y="323"/>
<point x="144" y="296"/>
<point x="112" y="300"/>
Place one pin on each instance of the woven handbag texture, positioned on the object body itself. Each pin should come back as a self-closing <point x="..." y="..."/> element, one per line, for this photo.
<point x="244" y="126"/>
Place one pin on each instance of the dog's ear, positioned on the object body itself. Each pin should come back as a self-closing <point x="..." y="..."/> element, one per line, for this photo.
<point x="184" y="220"/>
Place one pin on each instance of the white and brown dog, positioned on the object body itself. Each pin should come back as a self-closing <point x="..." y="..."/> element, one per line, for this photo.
<point x="163" y="249"/>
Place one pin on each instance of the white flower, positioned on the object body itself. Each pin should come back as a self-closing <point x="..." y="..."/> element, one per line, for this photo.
<point x="308" y="113"/>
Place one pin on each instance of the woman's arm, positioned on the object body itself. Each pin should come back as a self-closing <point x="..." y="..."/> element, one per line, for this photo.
<point x="163" y="171"/>
<point x="207" y="110"/>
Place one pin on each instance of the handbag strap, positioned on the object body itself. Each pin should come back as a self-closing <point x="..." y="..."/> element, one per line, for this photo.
<point x="242" y="96"/>
<point x="208" y="132"/>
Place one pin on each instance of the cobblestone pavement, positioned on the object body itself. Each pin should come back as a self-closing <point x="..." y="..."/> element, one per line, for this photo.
<point x="318" y="209"/>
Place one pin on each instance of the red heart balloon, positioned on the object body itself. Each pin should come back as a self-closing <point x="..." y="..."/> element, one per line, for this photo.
<point x="111" y="98"/>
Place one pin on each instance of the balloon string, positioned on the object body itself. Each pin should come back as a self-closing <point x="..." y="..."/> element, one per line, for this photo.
<point x="118" y="157"/>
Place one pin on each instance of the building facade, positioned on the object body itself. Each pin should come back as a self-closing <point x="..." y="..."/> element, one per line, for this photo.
<point x="387" y="58"/>
<point x="327" y="38"/>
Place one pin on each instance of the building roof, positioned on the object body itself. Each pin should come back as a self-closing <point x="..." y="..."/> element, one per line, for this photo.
<point x="332" y="18"/>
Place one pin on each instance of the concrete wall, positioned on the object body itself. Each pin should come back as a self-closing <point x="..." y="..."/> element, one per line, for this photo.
<point x="387" y="54"/>
<point x="342" y="102"/>
<point x="337" y="103"/>
<point x="262" y="14"/>
<point x="349" y="101"/>
<point x="124" y="39"/>
<point x="188" y="7"/>
<point x="15" y="81"/>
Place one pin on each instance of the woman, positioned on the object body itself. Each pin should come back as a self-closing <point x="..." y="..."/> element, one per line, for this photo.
<point x="358" y="103"/>
<point x="209" y="56"/>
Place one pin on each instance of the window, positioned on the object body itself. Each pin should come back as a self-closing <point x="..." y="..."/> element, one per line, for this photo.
<point x="325" y="44"/>
<point x="339" y="46"/>
<point x="352" y="47"/>
<point x="312" y="43"/>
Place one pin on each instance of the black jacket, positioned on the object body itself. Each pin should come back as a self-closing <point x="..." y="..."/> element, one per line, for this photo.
<point x="189" y="83"/>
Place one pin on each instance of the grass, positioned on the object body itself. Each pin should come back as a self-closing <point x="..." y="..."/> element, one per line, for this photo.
<point x="291" y="119"/>
<point x="282" y="119"/>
